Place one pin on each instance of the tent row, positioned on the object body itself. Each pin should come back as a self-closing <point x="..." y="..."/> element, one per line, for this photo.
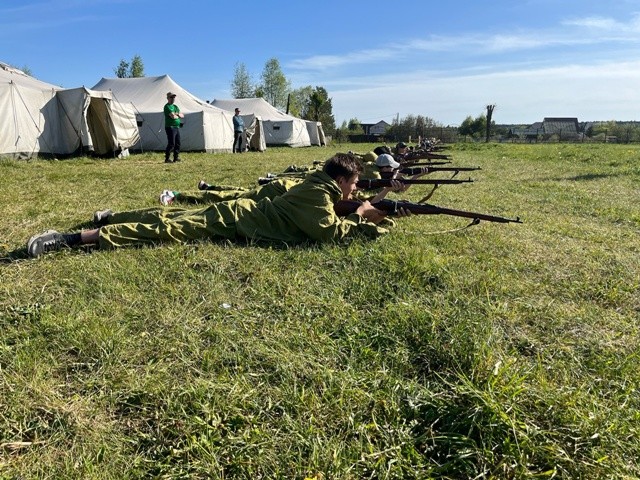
<point x="278" y="128"/>
<point x="118" y="114"/>
<point x="40" y="118"/>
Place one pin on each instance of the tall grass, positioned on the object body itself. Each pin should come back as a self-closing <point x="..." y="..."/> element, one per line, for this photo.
<point x="499" y="351"/>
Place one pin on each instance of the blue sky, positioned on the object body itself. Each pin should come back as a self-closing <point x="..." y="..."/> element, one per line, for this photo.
<point x="377" y="59"/>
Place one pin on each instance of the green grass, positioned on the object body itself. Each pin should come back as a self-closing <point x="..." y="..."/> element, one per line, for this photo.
<point x="501" y="351"/>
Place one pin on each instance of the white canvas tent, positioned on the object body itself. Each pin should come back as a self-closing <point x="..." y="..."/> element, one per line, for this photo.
<point x="41" y="118"/>
<point x="316" y="133"/>
<point x="206" y="128"/>
<point x="279" y="128"/>
<point x="22" y="99"/>
<point x="92" y="121"/>
<point x="253" y="138"/>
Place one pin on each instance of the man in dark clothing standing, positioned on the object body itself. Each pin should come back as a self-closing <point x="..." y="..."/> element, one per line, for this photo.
<point x="238" y="130"/>
<point x="172" y="117"/>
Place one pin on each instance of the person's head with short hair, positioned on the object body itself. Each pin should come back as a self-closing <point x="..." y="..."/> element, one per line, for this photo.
<point x="237" y="111"/>
<point x="401" y="148"/>
<point x="386" y="163"/>
<point x="344" y="169"/>
<point x="381" y="149"/>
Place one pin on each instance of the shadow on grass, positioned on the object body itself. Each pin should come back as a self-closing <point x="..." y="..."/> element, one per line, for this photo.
<point x="586" y="177"/>
<point x="17" y="255"/>
<point x="21" y="254"/>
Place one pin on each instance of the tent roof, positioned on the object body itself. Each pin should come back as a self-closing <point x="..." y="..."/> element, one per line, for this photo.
<point x="150" y="93"/>
<point x="257" y="106"/>
<point x="10" y="74"/>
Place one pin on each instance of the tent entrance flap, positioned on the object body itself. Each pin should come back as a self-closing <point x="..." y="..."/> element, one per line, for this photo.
<point x="100" y="134"/>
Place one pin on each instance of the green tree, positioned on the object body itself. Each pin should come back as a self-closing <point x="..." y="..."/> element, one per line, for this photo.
<point x="340" y="134"/>
<point x="319" y="108"/>
<point x="133" y="69"/>
<point x="137" y="67"/>
<point x="242" y="84"/>
<point x="474" y="127"/>
<point x="411" y="127"/>
<point x="122" y="70"/>
<point x="275" y="85"/>
<point x="299" y="99"/>
<point x="355" y="127"/>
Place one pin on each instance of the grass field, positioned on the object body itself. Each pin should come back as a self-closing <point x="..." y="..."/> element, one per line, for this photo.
<point x="500" y="351"/>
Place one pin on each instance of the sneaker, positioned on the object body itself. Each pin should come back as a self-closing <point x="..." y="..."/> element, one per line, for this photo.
<point x="48" y="241"/>
<point x="202" y="185"/>
<point x="167" y="161"/>
<point x="166" y="197"/>
<point x="101" y="217"/>
<point x="177" y="159"/>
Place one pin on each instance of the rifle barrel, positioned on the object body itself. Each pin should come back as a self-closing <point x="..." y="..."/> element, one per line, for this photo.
<point x="391" y="207"/>
<point x="368" y="184"/>
<point x="428" y="169"/>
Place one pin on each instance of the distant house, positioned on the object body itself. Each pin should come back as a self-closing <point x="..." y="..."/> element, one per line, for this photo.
<point x="532" y="131"/>
<point x="375" y="129"/>
<point x="564" y="127"/>
<point x="567" y="128"/>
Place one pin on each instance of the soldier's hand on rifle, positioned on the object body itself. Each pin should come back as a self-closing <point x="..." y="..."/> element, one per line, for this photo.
<point x="370" y="213"/>
<point x="397" y="186"/>
<point x="403" y="212"/>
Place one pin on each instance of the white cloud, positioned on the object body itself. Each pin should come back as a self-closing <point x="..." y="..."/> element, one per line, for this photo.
<point x="607" y="24"/>
<point x="600" y="92"/>
<point x="609" y="30"/>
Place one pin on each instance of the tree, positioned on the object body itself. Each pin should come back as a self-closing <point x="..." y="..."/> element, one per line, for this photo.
<point x="275" y="85"/>
<point x="242" y="84"/>
<point x="135" y="69"/>
<point x="122" y="70"/>
<point x="411" y="127"/>
<point x="355" y="127"/>
<point x="320" y="109"/>
<point x="473" y="127"/>
<point x="299" y="100"/>
<point x="488" y="123"/>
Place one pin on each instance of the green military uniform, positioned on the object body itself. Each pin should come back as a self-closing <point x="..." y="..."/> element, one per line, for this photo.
<point x="216" y="194"/>
<point x="305" y="212"/>
<point x="370" y="171"/>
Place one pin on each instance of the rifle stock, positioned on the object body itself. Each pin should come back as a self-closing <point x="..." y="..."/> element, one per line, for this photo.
<point x="391" y="207"/>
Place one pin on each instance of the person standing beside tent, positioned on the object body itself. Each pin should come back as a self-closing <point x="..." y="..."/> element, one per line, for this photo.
<point x="172" y="125"/>
<point x="238" y="130"/>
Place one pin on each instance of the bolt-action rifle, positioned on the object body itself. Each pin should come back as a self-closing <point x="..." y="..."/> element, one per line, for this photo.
<point x="429" y="169"/>
<point x="422" y="155"/>
<point x="372" y="183"/>
<point x="391" y="207"/>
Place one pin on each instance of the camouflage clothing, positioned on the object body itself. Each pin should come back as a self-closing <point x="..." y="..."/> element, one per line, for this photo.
<point x="305" y="212"/>
<point x="216" y="194"/>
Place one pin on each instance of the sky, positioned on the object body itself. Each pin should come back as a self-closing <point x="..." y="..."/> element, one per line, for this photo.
<point x="378" y="60"/>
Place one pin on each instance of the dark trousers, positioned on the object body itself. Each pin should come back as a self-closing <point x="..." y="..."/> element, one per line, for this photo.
<point x="237" y="140"/>
<point x="173" y="143"/>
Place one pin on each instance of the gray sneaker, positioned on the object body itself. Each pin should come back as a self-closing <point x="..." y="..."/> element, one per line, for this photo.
<point x="101" y="217"/>
<point x="48" y="241"/>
